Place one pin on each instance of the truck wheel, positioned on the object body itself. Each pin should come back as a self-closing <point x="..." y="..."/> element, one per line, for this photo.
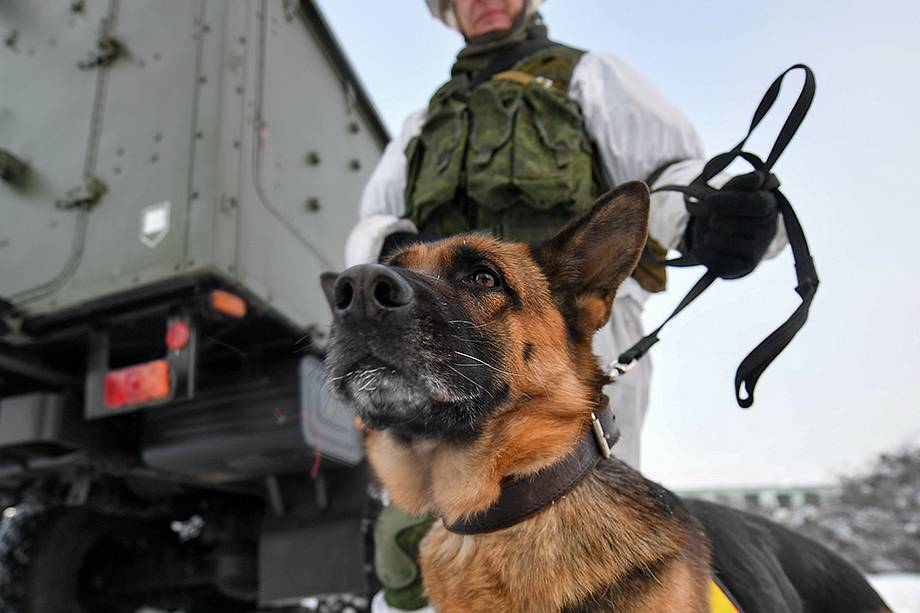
<point x="17" y="527"/>
<point x="41" y="555"/>
<point x="46" y="558"/>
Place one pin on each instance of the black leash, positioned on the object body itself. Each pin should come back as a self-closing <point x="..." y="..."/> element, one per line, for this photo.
<point x="757" y="361"/>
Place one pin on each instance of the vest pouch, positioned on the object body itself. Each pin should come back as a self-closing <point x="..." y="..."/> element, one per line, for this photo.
<point x="528" y="225"/>
<point x="435" y="160"/>
<point x="493" y="106"/>
<point x="552" y="160"/>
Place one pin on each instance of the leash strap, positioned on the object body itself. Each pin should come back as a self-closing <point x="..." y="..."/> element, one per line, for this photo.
<point x="504" y="61"/>
<point x="757" y="361"/>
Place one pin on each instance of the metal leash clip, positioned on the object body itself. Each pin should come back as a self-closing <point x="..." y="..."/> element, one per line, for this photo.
<point x="618" y="369"/>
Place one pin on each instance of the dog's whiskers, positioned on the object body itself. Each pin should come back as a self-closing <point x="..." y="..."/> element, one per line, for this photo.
<point x="469" y="323"/>
<point x="486" y="364"/>
<point x="333" y="379"/>
<point x="471" y="341"/>
<point x="471" y="381"/>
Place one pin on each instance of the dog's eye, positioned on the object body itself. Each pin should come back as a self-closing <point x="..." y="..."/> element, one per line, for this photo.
<point x="485" y="278"/>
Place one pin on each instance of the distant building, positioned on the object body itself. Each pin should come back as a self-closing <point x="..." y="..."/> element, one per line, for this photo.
<point x="764" y="499"/>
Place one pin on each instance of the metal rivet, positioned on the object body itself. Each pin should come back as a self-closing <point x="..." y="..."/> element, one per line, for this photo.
<point x="120" y="151"/>
<point x="154" y="158"/>
<point x="157" y="137"/>
<point x="202" y="79"/>
<point x="353" y="127"/>
<point x="193" y="195"/>
<point x="236" y="144"/>
<point x="313" y="158"/>
<point x="199" y="135"/>
<point x="117" y="170"/>
<point x="355" y="164"/>
<point x="313" y="204"/>
<point x="156" y="57"/>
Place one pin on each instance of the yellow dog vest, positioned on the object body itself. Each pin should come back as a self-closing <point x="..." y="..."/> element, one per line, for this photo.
<point x="719" y="602"/>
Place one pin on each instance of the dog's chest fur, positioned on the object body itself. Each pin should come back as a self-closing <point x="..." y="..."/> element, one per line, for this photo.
<point x="616" y="542"/>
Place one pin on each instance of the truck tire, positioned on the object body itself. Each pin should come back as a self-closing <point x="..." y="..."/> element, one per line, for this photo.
<point x="43" y="559"/>
<point x="14" y="547"/>
<point x="41" y="555"/>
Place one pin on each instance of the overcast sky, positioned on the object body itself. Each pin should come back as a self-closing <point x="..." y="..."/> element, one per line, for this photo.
<point x="847" y="388"/>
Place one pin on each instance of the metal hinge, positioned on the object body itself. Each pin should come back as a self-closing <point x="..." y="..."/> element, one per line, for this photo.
<point x="83" y="196"/>
<point x="290" y="10"/>
<point x="108" y="49"/>
<point x="12" y="169"/>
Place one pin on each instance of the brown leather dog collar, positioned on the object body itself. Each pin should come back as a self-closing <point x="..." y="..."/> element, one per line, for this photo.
<point x="527" y="496"/>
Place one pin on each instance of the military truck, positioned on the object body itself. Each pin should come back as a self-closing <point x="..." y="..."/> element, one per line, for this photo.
<point x="174" y="176"/>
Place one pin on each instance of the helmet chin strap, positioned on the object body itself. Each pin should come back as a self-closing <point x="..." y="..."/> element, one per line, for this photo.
<point x="522" y="27"/>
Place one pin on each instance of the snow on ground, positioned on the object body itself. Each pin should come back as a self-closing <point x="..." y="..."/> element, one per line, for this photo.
<point x="900" y="590"/>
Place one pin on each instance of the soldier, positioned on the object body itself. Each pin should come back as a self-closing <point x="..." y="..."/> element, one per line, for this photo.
<point x="524" y="135"/>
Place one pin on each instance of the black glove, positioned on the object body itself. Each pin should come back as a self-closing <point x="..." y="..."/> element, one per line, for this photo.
<point x="729" y="231"/>
<point x="395" y="242"/>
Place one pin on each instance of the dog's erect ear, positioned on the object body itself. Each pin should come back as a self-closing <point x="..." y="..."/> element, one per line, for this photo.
<point x="327" y="279"/>
<point x="587" y="260"/>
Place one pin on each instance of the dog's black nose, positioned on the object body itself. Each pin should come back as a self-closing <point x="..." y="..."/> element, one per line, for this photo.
<point x="370" y="290"/>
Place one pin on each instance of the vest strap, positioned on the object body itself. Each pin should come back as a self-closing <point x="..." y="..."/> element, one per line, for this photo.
<point x="506" y="60"/>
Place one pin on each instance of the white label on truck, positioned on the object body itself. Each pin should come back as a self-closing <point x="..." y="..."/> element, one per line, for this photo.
<point x="155" y="223"/>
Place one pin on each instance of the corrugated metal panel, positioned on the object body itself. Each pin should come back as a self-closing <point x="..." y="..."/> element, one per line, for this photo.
<point x="243" y="117"/>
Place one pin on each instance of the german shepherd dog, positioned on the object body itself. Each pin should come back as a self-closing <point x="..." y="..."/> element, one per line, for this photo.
<point x="469" y="362"/>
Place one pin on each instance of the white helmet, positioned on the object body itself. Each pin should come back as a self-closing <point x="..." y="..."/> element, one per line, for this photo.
<point x="444" y="10"/>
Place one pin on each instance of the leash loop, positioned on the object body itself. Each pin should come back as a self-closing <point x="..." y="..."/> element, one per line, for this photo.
<point x="695" y="194"/>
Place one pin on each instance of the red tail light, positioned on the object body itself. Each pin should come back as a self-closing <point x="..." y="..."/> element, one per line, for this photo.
<point x="137" y="384"/>
<point x="178" y="335"/>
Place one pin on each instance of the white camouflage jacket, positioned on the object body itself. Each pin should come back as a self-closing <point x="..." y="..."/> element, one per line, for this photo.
<point x="636" y="131"/>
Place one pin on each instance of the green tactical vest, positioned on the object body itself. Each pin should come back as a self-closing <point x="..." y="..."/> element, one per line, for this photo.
<point x="511" y="156"/>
